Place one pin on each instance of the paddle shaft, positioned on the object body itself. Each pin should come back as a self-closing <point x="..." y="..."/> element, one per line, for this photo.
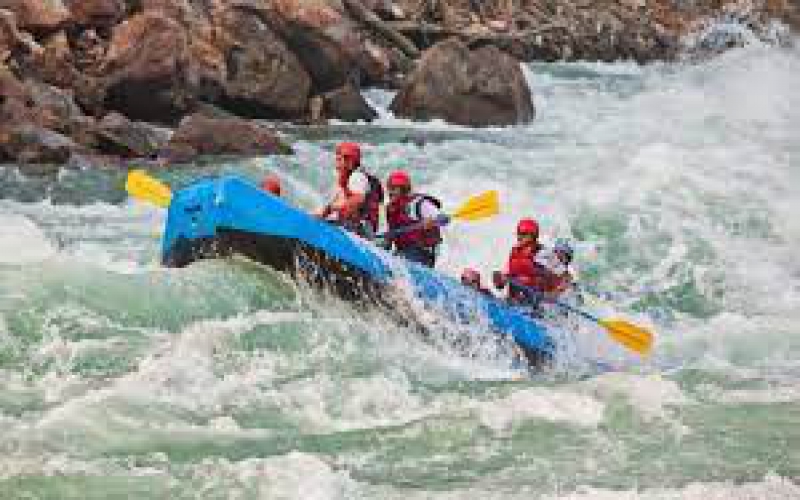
<point x="633" y="337"/>
<point x="532" y="291"/>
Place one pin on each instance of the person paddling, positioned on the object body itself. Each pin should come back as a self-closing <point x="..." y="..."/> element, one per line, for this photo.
<point x="359" y="194"/>
<point x="523" y="271"/>
<point x="557" y="261"/>
<point x="414" y="220"/>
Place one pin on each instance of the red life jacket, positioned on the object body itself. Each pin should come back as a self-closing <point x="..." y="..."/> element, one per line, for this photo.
<point x="398" y="216"/>
<point x="523" y="268"/>
<point x="371" y="207"/>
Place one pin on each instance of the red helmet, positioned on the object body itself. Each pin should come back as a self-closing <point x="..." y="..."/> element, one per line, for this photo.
<point x="528" y="226"/>
<point x="272" y="184"/>
<point x="470" y="276"/>
<point x="399" y="178"/>
<point x="349" y="150"/>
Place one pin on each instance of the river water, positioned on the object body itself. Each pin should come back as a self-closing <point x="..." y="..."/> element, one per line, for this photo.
<point x="680" y="184"/>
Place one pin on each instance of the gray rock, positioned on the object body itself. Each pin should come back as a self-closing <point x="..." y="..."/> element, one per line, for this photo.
<point x="200" y="135"/>
<point x="479" y="87"/>
<point x="347" y="103"/>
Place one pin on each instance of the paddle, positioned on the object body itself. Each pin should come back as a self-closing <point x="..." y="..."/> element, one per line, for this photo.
<point x="634" y="337"/>
<point x="141" y="185"/>
<point x="481" y="206"/>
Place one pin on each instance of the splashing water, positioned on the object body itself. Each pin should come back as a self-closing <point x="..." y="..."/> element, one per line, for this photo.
<point x="680" y="185"/>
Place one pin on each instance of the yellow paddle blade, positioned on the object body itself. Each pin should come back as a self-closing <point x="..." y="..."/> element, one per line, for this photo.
<point x="140" y="185"/>
<point x="479" y="207"/>
<point x="634" y="337"/>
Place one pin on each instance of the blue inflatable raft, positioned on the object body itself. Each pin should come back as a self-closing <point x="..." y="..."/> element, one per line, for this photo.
<point x="228" y="215"/>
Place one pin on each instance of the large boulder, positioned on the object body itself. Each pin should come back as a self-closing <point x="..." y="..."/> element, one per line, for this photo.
<point x="347" y="103"/>
<point x="200" y="135"/>
<point x="29" y="143"/>
<point x="38" y="16"/>
<point x="16" y="104"/>
<point x="54" y="64"/>
<point x="323" y="56"/>
<point x="35" y="102"/>
<point x="162" y="63"/>
<point x="145" y="69"/>
<point x="264" y="79"/>
<point x="479" y="87"/>
<point x="118" y="136"/>
<point x="38" y="122"/>
<point x="56" y="104"/>
<point x="96" y="13"/>
<point x="12" y="41"/>
<point x="328" y="43"/>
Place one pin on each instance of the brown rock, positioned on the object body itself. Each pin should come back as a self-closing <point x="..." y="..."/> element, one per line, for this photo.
<point x="57" y="104"/>
<point x="40" y="123"/>
<point x="199" y="135"/>
<point x="96" y="13"/>
<point x="29" y="143"/>
<point x="347" y="104"/>
<point x="38" y="16"/>
<point x="55" y="64"/>
<point x="16" y="104"/>
<point x="118" y="136"/>
<point x="145" y="66"/>
<point x="327" y="43"/>
<point x="160" y="67"/>
<point x="35" y="102"/>
<point x="326" y="58"/>
<point x="319" y="14"/>
<point x="264" y="79"/>
<point x="477" y="88"/>
<point x="11" y="40"/>
<point x="179" y="10"/>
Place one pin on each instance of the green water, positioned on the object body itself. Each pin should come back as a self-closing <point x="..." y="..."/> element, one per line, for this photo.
<point x="122" y="379"/>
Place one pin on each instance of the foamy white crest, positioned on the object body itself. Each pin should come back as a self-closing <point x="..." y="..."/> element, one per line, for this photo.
<point x="650" y="395"/>
<point x="790" y="394"/>
<point x="180" y="374"/>
<point x="292" y="476"/>
<point x="771" y="488"/>
<point x="325" y="404"/>
<point x="22" y="241"/>
<point x="539" y="403"/>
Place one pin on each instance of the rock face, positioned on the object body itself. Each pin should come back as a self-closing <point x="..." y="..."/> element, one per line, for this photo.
<point x="347" y="103"/>
<point x="36" y="120"/>
<point x="38" y="16"/>
<point x="145" y="69"/>
<point x="116" y="135"/>
<point x="29" y="143"/>
<point x="468" y="87"/>
<point x="200" y="135"/>
<point x="90" y="76"/>
<point x="96" y="13"/>
<point x="158" y="68"/>
<point x="264" y="79"/>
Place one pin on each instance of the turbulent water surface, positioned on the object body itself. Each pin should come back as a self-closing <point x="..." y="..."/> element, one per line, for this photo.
<point x="681" y="183"/>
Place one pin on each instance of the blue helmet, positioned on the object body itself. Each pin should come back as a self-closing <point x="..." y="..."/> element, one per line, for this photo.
<point x="564" y="247"/>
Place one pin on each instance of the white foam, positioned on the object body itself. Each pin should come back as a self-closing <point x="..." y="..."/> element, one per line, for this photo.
<point x="539" y="403"/>
<point x="178" y="373"/>
<point x="22" y="241"/>
<point x="774" y="395"/>
<point x="650" y="395"/>
<point x="324" y="404"/>
<point x="292" y="476"/>
<point x="772" y="487"/>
